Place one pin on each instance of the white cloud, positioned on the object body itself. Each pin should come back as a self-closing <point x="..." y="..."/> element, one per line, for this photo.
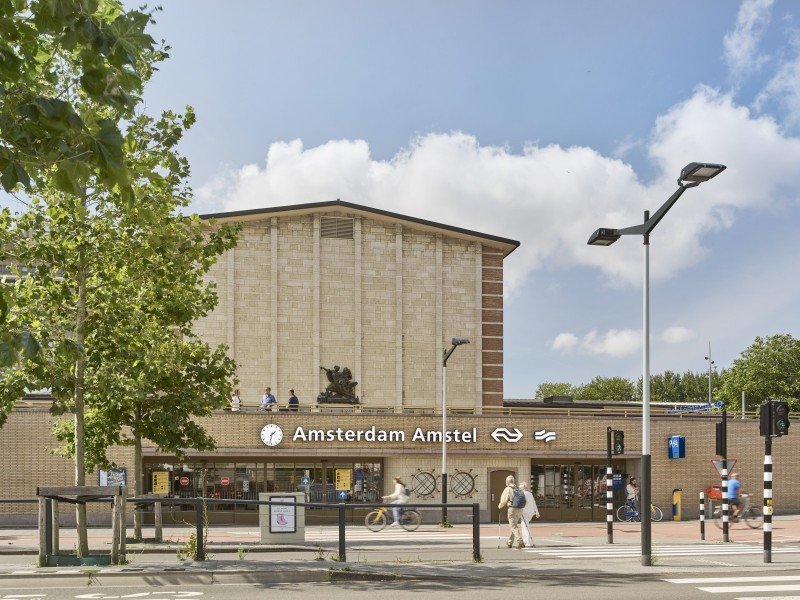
<point x="741" y="44"/>
<point x="565" y="341"/>
<point x="677" y="335"/>
<point x="784" y="85"/>
<point x="548" y="197"/>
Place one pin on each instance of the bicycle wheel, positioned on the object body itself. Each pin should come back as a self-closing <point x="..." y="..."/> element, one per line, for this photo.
<point x="752" y="516"/>
<point x="716" y="516"/>
<point x="655" y="513"/>
<point x="375" y="520"/>
<point x="624" y="515"/>
<point x="410" y="520"/>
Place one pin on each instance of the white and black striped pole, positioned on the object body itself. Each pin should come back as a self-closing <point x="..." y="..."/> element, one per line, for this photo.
<point x="609" y="488"/>
<point x="768" y="499"/>
<point x="725" y="499"/>
<point x="702" y="515"/>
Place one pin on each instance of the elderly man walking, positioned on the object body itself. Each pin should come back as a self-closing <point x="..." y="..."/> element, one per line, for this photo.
<point x="514" y="499"/>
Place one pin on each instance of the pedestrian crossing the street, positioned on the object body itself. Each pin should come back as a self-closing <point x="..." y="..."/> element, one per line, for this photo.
<point x="616" y="551"/>
<point x="764" y="587"/>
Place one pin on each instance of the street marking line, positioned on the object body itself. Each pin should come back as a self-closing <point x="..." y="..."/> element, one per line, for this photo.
<point x="742" y="579"/>
<point x="746" y="589"/>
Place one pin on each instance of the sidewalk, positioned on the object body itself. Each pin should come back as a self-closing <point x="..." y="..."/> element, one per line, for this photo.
<point x="236" y="555"/>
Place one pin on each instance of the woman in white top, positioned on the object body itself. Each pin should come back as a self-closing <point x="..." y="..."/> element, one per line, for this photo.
<point x="529" y="511"/>
<point x="397" y="497"/>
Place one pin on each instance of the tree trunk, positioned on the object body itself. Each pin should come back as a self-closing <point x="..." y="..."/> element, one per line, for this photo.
<point x="138" y="478"/>
<point x="80" y="452"/>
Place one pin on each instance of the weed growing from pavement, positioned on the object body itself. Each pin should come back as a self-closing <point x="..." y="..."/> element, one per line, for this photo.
<point x="242" y="552"/>
<point x="320" y="553"/>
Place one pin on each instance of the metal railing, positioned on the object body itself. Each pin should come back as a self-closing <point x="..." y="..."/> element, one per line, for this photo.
<point x="341" y="508"/>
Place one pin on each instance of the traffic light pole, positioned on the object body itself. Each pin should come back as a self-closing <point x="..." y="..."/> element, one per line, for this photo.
<point x="725" y="498"/>
<point x="768" y="498"/>
<point x="609" y="488"/>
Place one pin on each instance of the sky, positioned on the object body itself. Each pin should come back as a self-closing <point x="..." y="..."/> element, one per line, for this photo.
<point x="538" y="121"/>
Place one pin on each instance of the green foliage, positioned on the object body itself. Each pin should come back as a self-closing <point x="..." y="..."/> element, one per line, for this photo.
<point x="768" y="368"/>
<point x="608" y="389"/>
<point x="550" y="388"/>
<point x="56" y="58"/>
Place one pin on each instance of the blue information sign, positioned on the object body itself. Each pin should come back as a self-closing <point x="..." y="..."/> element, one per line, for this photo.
<point x="304" y="480"/>
<point x="342" y="495"/>
<point x="676" y="446"/>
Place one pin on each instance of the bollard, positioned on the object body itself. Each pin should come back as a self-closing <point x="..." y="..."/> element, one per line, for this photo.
<point x="159" y="537"/>
<point x="476" y="532"/>
<point x="198" y="510"/>
<point x="342" y="551"/>
<point x="48" y="526"/>
<point x="702" y="515"/>
<point x="767" y="499"/>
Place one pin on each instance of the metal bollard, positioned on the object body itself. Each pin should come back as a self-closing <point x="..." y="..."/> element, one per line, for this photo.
<point x="476" y="532"/>
<point x="342" y="551"/>
<point x="702" y="515"/>
<point x="198" y="510"/>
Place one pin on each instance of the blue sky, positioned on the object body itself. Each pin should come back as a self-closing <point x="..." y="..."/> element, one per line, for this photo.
<point x="539" y="121"/>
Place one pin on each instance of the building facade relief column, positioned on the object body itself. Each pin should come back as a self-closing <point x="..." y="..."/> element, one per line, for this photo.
<point x="274" y="301"/>
<point x="315" y="294"/>
<point x="230" y="299"/>
<point x="398" y="320"/>
<point x="439" y="327"/>
<point x="478" y="341"/>
<point x="357" y="300"/>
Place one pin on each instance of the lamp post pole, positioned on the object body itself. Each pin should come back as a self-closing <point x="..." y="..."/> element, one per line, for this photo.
<point x="456" y="342"/>
<point x="644" y="504"/>
<point x="691" y="176"/>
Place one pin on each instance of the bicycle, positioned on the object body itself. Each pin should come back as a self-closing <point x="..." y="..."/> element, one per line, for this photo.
<point x="377" y="519"/>
<point x="629" y="513"/>
<point x="749" y="514"/>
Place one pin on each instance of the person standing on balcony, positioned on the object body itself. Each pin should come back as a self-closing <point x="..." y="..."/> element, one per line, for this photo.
<point x="236" y="400"/>
<point x="294" y="401"/>
<point x="268" y="400"/>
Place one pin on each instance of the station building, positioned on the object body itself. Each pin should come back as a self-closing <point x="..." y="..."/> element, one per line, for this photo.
<point x="381" y="294"/>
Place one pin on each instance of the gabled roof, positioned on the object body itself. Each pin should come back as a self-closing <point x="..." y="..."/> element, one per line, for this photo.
<point x="505" y="244"/>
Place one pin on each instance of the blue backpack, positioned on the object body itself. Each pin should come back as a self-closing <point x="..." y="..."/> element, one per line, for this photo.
<point x="518" y="499"/>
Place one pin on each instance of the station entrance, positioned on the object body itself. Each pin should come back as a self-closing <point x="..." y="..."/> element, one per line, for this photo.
<point x="574" y="491"/>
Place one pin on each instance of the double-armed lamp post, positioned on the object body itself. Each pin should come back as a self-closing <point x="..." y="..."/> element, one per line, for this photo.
<point x="446" y="353"/>
<point x="691" y="176"/>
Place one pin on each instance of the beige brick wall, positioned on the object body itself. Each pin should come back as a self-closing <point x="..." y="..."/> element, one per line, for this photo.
<point x="404" y="324"/>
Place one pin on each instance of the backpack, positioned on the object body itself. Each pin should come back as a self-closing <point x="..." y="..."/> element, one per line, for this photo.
<point x="407" y="492"/>
<point x="518" y="499"/>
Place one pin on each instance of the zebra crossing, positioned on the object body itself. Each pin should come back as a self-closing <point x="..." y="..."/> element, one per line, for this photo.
<point x="389" y="534"/>
<point x="617" y="551"/>
<point x="753" y="587"/>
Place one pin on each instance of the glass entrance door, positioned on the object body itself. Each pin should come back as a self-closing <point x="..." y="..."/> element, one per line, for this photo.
<point x="569" y="492"/>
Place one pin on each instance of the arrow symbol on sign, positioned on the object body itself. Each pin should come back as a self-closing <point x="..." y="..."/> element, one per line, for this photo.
<point x="503" y="433"/>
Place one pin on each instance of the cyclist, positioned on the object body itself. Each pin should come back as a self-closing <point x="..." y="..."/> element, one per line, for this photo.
<point x="632" y="492"/>
<point x="397" y="497"/>
<point x="735" y="494"/>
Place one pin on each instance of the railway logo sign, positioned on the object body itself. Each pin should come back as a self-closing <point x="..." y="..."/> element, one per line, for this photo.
<point x="505" y="434"/>
<point x="544" y="436"/>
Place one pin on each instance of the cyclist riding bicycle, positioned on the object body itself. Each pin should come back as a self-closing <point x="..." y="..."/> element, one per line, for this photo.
<point x="397" y="497"/>
<point x="735" y="494"/>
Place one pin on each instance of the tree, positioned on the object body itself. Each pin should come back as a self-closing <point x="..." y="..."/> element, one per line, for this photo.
<point x="608" y="389"/>
<point x="768" y="368"/>
<point x="54" y="54"/>
<point x="118" y="284"/>
<point x="550" y="388"/>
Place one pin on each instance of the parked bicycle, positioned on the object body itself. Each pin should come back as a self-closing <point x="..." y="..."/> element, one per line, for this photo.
<point x="750" y="514"/>
<point x="377" y="519"/>
<point x="629" y="513"/>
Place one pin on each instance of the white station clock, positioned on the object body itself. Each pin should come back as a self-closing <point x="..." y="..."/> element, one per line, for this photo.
<point x="271" y="434"/>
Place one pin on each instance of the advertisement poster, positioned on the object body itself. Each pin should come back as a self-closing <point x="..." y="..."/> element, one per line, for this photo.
<point x="114" y="477"/>
<point x="282" y="519"/>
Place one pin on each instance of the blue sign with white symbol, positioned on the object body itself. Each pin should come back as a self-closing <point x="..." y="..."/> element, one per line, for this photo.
<point x="304" y="480"/>
<point x="342" y="495"/>
<point x="676" y="446"/>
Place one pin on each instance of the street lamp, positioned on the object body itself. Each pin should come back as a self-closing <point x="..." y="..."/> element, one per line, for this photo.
<point x="446" y="355"/>
<point x="692" y="175"/>
<point x="711" y="366"/>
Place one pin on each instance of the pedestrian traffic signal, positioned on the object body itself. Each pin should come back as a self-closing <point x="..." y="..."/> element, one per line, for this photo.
<point x="619" y="442"/>
<point x="780" y="419"/>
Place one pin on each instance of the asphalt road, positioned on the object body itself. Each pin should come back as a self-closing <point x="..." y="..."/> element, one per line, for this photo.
<point x="567" y="586"/>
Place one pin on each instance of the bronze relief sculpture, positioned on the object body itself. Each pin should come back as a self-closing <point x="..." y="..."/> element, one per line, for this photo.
<point x="341" y="387"/>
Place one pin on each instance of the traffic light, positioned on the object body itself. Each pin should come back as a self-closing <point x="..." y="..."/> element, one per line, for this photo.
<point x="780" y="419"/>
<point x="722" y="437"/>
<point x="619" y="442"/>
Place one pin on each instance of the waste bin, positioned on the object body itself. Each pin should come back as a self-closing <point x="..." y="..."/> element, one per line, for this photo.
<point x="677" y="494"/>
